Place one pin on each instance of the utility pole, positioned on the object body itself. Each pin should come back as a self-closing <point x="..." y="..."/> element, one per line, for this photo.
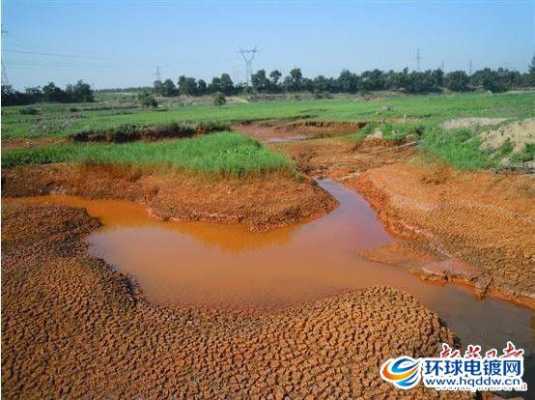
<point x="248" y="57"/>
<point x="418" y="59"/>
<point x="5" y="80"/>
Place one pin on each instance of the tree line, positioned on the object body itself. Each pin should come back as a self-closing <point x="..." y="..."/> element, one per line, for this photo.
<point x="80" y="92"/>
<point x="498" y="80"/>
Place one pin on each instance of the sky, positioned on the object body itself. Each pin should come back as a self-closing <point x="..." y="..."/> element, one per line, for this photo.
<point x="120" y="43"/>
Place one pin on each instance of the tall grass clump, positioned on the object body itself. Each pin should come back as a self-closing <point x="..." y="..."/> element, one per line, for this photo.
<point x="225" y="153"/>
<point x="460" y="147"/>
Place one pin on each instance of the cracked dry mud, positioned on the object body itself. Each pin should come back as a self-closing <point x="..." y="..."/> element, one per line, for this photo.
<point x="74" y="328"/>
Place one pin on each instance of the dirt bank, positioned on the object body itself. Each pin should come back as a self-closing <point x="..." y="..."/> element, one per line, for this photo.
<point x="132" y="133"/>
<point x="260" y="202"/>
<point x="340" y="158"/>
<point x="74" y="328"/>
<point x="480" y="225"/>
<point x="273" y="131"/>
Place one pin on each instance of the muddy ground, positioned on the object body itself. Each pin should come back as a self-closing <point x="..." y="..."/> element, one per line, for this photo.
<point x="260" y="202"/>
<point x="74" y="328"/>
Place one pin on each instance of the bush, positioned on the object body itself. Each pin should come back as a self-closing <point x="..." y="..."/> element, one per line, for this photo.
<point x="29" y="111"/>
<point x="147" y="100"/>
<point x="219" y="99"/>
<point x="527" y="154"/>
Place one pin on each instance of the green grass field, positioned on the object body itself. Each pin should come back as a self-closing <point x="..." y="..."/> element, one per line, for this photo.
<point x="224" y="153"/>
<point x="56" y="119"/>
<point x="397" y="116"/>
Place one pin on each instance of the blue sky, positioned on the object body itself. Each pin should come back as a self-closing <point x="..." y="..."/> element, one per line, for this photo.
<point x="119" y="43"/>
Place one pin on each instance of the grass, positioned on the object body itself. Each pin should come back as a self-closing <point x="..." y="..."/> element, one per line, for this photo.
<point x="390" y="131"/>
<point x="224" y="153"/>
<point x="397" y="116"/>
<point x="528" y="154"/>
<point x="460" y="148"/>
<point x="56" y="119"/>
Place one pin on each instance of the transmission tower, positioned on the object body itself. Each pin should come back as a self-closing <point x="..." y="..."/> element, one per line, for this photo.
<point x="248" y="56"/>
<point x="470" y="68"/>
<point x="157" y="74"/>
<point x="418" y="59"/>
<point x="5" y="80"/>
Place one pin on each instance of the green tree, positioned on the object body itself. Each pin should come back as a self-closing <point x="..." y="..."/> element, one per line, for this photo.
<point x="53" y="93"/>
<point x="168" y="88"/>
<point x="227" y="86"/>
<point x="372" y="80"/>
<point x="260" y="81"/>
<point x="531" y="71"/>
<point x="275" y="76"/>
<point x="320" y="84"/>
<point x="457" y="81"/>
<point x="187" y="86"/>
<point x="202" y="87"/>
<point x="296" y="79"/>
<point x="348" y="82"/>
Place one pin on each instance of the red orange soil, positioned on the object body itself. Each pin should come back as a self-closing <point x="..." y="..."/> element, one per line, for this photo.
<point x="273" y="131"/>
<point x="261" y="202"/>
<point x="18" y="143"/>
<point x="74" y="328"/>
<point x="471" y="228"/>
<point x="482" y="222"/>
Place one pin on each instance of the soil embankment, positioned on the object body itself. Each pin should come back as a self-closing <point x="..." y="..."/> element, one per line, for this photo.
<point x="275" y="131"/>
<point x="260" y="202"/>
<point x="74" y="328"/>
<point x="480" y="225"/>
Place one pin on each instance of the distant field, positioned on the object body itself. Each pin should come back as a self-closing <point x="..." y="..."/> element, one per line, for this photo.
<point x="397" y="116"/>
<point x="63" y="119"/>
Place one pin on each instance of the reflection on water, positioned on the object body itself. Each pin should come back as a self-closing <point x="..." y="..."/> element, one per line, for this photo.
<point x="215" y="264"/>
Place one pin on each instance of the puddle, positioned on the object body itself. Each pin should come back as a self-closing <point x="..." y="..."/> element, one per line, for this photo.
<point x="206" y="263"/>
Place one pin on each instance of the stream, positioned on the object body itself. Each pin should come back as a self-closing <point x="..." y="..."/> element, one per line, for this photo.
<point x="207" y="263"/>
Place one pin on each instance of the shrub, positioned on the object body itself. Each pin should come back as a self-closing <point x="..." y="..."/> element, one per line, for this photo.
<point x="219" y="99"/>
<point x="147" y="100"/>
<point x="29" y="111"/>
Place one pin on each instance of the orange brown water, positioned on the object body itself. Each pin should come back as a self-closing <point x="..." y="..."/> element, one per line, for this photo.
<point x="203" y="263"/>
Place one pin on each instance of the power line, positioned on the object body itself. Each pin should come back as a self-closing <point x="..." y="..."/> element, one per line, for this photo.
<point x="248" y="56"/>
<point x="50" y="54"/>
